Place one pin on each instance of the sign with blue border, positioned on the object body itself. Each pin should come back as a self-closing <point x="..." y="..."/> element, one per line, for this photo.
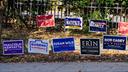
<point x="13" y="47"/>
<point x="38" y="46"/>
<point x="97" y="26"/>
<point x="90" y="46"/>
<point x="73" y="23"/>
<point x="114" y="42"/>
<point x="63" y="44"/>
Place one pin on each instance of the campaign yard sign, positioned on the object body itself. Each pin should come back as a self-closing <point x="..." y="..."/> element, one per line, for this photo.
<point x="114" y="42"/>
<point x="73" y="23"/>
<point x="90" y="46"/>
<point x="38" y="46"/>
<point x="63" y="44"/>
<point x="97" y="26"/>
<point x="123" y="28"/>
<point x="13" y="47"/>
<point x="45" y="20"/>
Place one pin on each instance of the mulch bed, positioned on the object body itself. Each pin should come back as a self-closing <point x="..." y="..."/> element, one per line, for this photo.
<point x="64" y="57"/>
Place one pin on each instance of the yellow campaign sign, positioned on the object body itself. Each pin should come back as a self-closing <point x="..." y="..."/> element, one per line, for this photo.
<point x="73" y="27"/>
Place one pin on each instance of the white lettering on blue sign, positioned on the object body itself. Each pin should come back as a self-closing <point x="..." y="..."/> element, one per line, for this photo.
<point x="13" y="45"/>
<point x="107" y="39"/>
<point x="97" y="24"/>
<point x="62" y="43"/>
<point x="118" y="40"/>
<point x="115" y="40"/>
<point x="73" y="23"/>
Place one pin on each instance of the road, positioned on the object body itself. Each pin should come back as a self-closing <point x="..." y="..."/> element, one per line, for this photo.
<point x="65" y="67"/>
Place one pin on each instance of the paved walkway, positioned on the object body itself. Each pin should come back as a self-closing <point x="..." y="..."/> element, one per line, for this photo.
<point x="64" y="67"/>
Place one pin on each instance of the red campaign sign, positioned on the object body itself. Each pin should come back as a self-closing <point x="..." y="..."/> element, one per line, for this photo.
<point x="123" y="28"/>
<point x="45" y="20"/>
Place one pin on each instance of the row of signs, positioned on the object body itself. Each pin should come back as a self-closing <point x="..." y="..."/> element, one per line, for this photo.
<point x="77" y="23"/>
<point x="71" y="23"/>
<point x="49" y="21"/>
<point x="87" y="46"/>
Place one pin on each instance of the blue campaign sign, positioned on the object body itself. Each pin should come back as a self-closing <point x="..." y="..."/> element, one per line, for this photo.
<point x="13" y="47"/>
<point x="114" y="42"/>
<point x="97" y="26"/>
<point x="63" y="44"/>
<point x="73" y="23"/>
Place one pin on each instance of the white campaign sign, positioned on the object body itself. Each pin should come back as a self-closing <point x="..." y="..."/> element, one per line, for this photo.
<point x="38" y="46"/>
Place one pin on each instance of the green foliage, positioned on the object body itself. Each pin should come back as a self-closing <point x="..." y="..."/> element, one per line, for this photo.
<point x="125" y="3"/>
<point x="111" y="2"/>
<point x="105" y="2"/>
<point x="100" y="1"/>
<point x="80" y="3"/>
<point x="76" y="3"/>
<point x="95" y="15"/>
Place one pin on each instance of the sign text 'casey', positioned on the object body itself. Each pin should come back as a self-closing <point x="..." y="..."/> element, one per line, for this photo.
<point x="114" y="42"/>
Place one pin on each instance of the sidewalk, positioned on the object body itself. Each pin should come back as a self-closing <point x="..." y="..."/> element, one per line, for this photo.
<point x="64" y="67"/>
